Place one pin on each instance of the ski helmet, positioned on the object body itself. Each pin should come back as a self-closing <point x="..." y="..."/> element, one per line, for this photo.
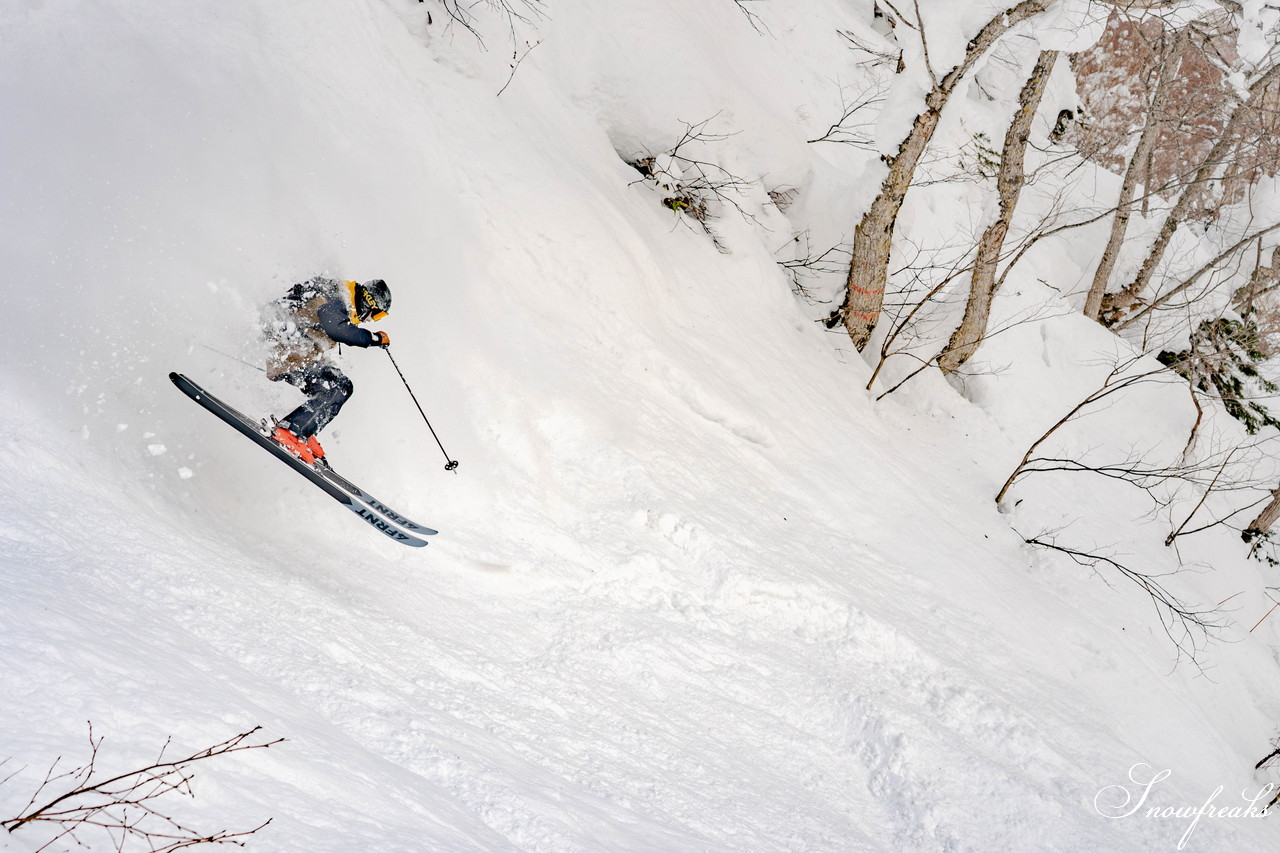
<point x="373" y="300"/>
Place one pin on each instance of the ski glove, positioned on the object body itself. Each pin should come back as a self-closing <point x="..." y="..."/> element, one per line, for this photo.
<point x="381" y="339"/>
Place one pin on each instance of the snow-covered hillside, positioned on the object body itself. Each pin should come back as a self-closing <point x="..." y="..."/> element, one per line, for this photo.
<point x="695" y="589"/>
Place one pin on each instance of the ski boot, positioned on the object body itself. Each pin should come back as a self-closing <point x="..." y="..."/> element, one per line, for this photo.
<point x="307" y="449"/>
<point x="317" y="451"/>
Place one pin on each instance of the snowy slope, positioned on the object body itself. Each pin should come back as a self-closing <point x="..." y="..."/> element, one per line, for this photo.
<point x="694" y="589"/>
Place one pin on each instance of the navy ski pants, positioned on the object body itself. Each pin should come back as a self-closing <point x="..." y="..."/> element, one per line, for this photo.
<point x="327" y="389"/>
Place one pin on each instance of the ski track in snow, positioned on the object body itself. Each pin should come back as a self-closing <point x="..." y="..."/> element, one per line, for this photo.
<point x="622" y="702"/>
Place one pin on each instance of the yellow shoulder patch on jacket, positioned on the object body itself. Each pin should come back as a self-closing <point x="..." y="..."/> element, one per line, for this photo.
<point x="351" y="293"/>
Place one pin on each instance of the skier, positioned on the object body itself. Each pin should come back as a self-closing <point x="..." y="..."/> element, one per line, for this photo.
<point x="302" y="328"/>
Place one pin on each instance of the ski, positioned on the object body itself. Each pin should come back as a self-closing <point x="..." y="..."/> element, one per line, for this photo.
<point x="336" y="487"/>
<point x="368" y="499"/>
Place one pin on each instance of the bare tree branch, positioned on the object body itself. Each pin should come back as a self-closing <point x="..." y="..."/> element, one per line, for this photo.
<point x="122" y="805"/>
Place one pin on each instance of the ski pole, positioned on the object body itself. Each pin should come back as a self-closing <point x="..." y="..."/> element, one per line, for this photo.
<point x="233" y="358"/>
<point x="451" y="464"/>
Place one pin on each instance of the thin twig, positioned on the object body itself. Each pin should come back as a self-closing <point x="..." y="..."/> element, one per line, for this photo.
<point x="516" y="65"/>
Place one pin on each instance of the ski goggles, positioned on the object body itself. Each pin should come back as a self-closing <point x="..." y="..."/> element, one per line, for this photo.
<point x="370" y="310"/>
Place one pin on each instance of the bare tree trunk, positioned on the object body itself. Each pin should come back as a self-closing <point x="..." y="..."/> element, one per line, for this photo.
<point x="982" y="288"/>
<point x="1198" y="274"/>
<point x="1265" y="519"/>
<point x="1263" y="280"/>
<point x="1137" y="165"/>
<point x="1116" y="305"/>
<point x="864" y="290"/>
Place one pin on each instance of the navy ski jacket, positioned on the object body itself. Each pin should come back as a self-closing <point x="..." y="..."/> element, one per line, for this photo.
<point x="336" y="323"/>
